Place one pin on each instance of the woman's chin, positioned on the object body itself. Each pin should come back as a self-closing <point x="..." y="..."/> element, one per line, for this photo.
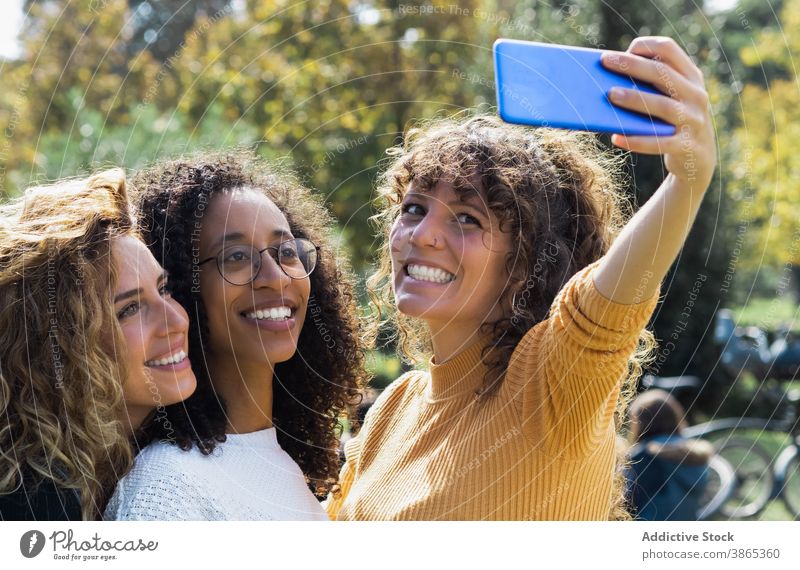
<point x="275" y="353"/>
<point x="186" y="387"/>
<point x="177" y="389"/>
<point x="418" y="308"/>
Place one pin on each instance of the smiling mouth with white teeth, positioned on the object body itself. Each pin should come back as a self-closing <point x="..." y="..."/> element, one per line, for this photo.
<point x="426" y="273"/>
<point x="176" y="358"/>
<point x="271" y="314"/>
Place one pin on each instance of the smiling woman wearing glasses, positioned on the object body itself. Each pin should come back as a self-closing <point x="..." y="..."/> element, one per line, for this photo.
<point x="240" y="264"/>
<point x="273" y="325"/>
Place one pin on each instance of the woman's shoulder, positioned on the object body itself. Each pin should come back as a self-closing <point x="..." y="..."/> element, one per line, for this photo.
<point x="400" y="394"/>
<point x="409" y="385"/>
<point x="165" y="483"/>
<point x="681" y="451"/>
<point x="168" y="457"/>
<point x="163" y="462"/>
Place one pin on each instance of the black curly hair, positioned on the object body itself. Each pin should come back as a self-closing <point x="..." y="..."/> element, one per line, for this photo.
<point x="322" y="381"/>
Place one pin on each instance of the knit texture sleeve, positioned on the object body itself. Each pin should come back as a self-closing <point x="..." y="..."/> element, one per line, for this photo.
<point x="161" y="497"/>
<point x="336" y="498"/>
<point x="566" y="373"/>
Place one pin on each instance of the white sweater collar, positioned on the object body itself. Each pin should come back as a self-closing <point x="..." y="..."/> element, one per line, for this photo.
<point x="261" y="438"/>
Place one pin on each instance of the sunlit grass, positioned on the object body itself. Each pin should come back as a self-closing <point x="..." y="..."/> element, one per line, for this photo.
<point x="769" y="314"/>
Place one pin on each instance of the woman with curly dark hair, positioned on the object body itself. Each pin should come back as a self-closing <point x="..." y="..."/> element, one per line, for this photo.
<point x="273" y="324"/>
<point x="509" y="271"/>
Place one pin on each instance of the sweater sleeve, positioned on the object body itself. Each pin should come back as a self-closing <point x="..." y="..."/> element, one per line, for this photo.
<point x="348" y="474"/>
<point x="162" y="497"/>
<point x="566" y="373"/>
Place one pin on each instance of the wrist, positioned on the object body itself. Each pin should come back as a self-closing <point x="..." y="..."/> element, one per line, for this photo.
<point x="694" y="185"/>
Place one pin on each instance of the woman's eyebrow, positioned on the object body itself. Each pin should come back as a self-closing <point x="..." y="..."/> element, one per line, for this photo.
<point x="282" y="234"/>
<point x="127" y="295"/>
<point x="232" y="236"/>
<point x="138" y="292"/>
<point x="472" y="200"/>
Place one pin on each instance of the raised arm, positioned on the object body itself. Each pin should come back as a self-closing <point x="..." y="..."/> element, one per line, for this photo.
<point x="642" y="254"/>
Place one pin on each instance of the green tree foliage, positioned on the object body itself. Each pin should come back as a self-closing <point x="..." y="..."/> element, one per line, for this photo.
<point x="159" y="26"/>
<point x="333" y="83"/>
<point x="764" y="178"/>
<point x="74" y="57"/>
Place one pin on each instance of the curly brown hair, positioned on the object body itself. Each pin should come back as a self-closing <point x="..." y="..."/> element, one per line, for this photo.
<point x="322" y="381"/>
<point x="61" y="389"/>
<point x="558" y="194"/>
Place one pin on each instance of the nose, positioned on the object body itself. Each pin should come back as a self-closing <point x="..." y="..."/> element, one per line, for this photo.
<point x="270" y="274"/>
<point x="427" y="232"/>
<point x="176" y="319"/>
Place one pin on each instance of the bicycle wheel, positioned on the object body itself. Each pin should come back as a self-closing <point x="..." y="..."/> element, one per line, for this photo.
<point x="791" y="485"/>
<point x="754" y="481"/>
<point x="720" y="485"/>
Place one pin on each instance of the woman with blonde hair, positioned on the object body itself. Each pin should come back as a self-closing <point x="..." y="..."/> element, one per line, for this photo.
<point x="91" y="344"/>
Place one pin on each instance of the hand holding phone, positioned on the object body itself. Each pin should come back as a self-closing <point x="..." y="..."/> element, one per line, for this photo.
<point x="566" y="87"/>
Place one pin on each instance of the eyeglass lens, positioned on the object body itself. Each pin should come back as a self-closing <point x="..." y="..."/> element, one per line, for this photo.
<point x="240" y="264"/>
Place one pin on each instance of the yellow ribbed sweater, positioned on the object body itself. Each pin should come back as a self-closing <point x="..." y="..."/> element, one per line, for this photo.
<point x="542" y="449"/>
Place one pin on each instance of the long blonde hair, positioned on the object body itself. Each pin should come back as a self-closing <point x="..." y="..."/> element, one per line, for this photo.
<point x="61" y="399"/>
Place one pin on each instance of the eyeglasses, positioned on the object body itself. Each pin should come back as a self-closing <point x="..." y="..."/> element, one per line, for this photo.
<point x="240" y="264"/>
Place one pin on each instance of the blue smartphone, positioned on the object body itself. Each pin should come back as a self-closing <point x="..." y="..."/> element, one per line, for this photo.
<point x="565" y="87"/>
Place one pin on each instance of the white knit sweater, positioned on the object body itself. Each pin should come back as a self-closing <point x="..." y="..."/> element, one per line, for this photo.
<point x="249" y="477"/>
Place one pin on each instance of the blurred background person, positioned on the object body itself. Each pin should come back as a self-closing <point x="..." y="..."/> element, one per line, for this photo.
<point x="668" y="473"/>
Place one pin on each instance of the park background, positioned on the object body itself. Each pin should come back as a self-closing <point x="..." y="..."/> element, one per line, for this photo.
<point x="326" y="86"/>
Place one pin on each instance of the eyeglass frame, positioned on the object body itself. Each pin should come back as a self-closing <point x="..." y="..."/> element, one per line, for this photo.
<point x="261" y="264"/>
